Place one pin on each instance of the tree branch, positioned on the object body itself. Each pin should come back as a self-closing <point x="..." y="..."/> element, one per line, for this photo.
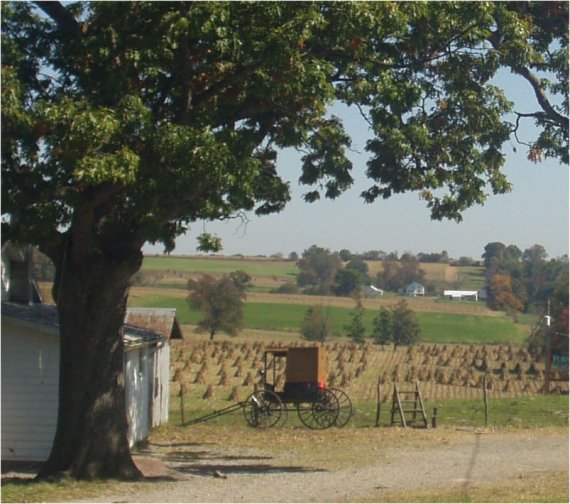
<point x="541" y="97"/>
<point x="58" y="13"/>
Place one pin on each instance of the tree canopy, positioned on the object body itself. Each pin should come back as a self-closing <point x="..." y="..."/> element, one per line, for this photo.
<point x="126" y="122"/>
<point x="221" y="302"/>
<point x="154" y="115"/>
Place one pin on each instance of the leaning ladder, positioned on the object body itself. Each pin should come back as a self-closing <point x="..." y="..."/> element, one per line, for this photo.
<point x="406" y="403"/>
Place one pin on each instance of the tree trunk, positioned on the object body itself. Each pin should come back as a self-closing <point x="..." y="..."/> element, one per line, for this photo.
<point x="91" y="436"/>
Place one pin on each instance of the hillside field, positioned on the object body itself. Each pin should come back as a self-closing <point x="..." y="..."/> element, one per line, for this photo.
<point x="437" y="327"/>
<point x="440" y="320"/>
<point x="177" y="268"/>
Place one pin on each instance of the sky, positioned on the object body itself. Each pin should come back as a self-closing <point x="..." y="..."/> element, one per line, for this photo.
<point x="536" y="211"/>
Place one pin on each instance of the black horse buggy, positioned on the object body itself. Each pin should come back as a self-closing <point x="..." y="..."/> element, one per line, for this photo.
<point x="303" y="390"/>
<point x="294" y="379"/>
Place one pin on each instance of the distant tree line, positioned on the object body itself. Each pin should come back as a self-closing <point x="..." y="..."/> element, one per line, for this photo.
<point x="379" y="255"/>
<point x="520" y="281"/>
<point x="324" y="273"/>
<point x="397" y="325"/>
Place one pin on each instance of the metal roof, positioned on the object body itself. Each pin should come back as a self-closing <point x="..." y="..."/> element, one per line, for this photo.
<point x="46" y="316"/>
<point x="162" y="320"/>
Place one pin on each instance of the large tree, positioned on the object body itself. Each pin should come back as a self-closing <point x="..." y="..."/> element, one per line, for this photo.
<point x="221" y="302"/>
<point x="126" y="122"/>
<point x="317" y="270"/>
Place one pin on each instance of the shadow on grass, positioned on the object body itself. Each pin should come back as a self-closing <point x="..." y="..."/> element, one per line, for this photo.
<point x="227" y="469"/>
<point x="181" y="456"/>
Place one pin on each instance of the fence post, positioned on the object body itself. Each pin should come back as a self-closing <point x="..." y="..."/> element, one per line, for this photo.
<point x="378" y="402"/>
<point x="181" y="394"/>
<point x="485" y="400"/>
<point x="434" y="419"/>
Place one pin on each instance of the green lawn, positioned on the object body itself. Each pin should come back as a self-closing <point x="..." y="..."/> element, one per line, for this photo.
<point x="436" y="327"/>
<point x="521" y="412"/>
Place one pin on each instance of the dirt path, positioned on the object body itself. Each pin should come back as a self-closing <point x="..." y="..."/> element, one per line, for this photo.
<point x="187" y="472"/>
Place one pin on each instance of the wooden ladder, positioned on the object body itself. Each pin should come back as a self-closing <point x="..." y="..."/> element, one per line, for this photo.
<point x="406" y="403"/>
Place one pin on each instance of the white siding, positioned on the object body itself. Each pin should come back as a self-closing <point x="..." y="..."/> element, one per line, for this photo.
<point x="30" y="376"/>
<point x="138" y="391"/>
<point x="161" y="391"/>
<point x="5" y="278"/>
<point x="30" y="371"/>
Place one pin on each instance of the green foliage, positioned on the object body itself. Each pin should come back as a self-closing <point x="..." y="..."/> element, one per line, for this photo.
<point x="317" y="270"/>
<point x="286" y="288"/>
<point x="315" y="325"/>
<point x="128" y="122"/>
<point x="405" y="326"/>
<point x="396" y="275"/>
<point x="209" y="243"/>
<point x="145" y="122"/>
<point x="518" y="280"/>
<point x="436" y="327"/>
<point x="347" y="282"/>
<point x="382" y="332"/>
<point x="221" y="302"/>
<point x="356" y="330"/>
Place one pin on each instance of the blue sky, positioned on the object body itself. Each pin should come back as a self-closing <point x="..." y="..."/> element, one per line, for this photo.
<point x="535" y="212"/>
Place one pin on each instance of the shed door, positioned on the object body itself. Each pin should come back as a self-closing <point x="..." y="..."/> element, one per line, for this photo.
<point x="138" y="390"/>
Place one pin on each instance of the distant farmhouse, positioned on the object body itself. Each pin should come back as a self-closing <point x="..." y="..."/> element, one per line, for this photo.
<point x="371" y="291"/>
<point x="415" y="289"/>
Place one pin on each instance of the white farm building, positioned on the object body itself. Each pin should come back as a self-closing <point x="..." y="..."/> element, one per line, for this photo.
<point x="465" y="295"/>
<point x="30" y="366"/>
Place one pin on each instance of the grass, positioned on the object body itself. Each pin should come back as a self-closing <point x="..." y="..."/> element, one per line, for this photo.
<point x="531" y="412"/>
<point x="436" y="327"/>
<point x="342" y="448"/>
<point x="29" y="490"/>
<point x="518" y="412"/>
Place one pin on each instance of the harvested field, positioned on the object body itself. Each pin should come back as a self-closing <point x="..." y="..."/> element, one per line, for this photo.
<point x="443" y="371"/>
<point x="420" y="304"/>
<point x="425" y="304"/>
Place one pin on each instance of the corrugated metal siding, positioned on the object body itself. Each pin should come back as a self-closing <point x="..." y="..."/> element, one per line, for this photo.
<point x="30" y="372"/>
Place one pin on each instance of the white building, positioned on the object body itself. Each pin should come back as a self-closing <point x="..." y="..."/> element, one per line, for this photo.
<point x="458" y="295"/>
<point x="30" y="365"/>
<point x="371" y="291"/>
<point x="415" y="289"/>
<point x="30" y="376"/>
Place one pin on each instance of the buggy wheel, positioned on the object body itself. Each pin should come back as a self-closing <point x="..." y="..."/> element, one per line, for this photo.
<point x="263" y="409"/>
<point x="344" y="407"/>
<point x="322" y="412"/>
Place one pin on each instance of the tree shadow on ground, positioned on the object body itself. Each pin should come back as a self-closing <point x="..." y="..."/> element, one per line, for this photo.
<point x="228" y="469"/>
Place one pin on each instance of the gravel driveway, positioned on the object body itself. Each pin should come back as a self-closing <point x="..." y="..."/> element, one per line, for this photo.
<point x="212" y="472"/>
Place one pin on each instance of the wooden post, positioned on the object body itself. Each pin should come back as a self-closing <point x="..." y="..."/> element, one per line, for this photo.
<point x="378" y="403"/>
<point x="434" y="419"/>
<point x="182" y="409"/>
<point x="548" y="366"/>
<point x="485" y="400"/>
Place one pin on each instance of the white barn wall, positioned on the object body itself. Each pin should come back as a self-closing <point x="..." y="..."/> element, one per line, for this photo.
<point x="30" y="373"/>
<point x="30" y="376"/>
<point x="161" y="391"/>
<point x="138" y="391"/>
